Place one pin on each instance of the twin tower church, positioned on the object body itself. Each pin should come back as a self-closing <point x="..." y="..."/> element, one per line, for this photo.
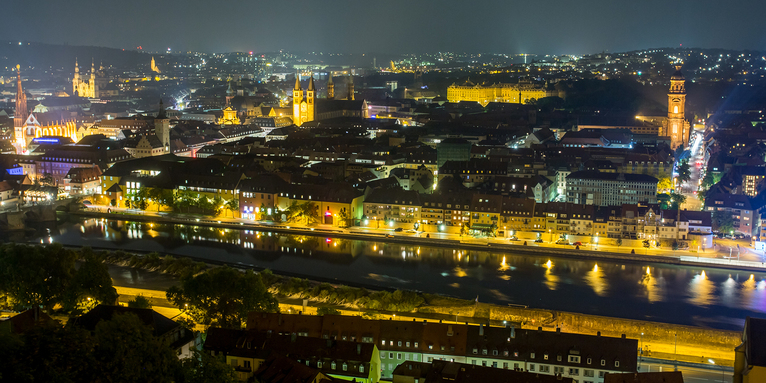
<point x="307" y="108"/>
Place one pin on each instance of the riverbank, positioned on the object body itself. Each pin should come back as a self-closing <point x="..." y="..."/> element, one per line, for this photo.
<point x="680" y="259"/>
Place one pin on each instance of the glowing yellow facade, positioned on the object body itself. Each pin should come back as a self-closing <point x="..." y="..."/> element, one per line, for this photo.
<point x="303" y="108"/>
<point x="91" y="88"/>
<point x="677" y="128"/>
<point x="154" y="66"/>
<point x="505" y="93"/>
<point x="229" y="117"/>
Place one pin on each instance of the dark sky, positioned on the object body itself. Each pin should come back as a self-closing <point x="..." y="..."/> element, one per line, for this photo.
<point x="390" y="26"/>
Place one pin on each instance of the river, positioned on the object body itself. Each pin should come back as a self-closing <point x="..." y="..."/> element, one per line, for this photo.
<point x="706" y="297"/>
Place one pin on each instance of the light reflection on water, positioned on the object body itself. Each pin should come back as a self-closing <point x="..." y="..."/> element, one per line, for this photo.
<point x="652" y="291"/>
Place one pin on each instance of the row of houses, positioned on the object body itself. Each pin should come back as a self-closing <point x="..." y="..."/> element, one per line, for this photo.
<point x="352" y="347"/>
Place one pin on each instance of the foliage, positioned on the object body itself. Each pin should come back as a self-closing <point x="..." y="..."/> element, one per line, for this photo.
<point x="345" y="218"/>
<point x="684" y="172"/>
<point x="306" y="213"/>
<point x="37" y="276"/>
<point x="665" y="184"/>
<point x="723" y="222"/>
<point x="223" y="296"/>
<point x="618" y="242"/>
<point x="232" y="205"/>
<point x="326" y="310"/>
<point x="126" y="348"/>
<point x="122" y="349"/>
<point x="710" y="179"/>
<point x="398" y="300"/>
<point x="139" y="199"/>
<point x="162" y="197"/>
<point x="205" y="368"/>
<point x="140" y="302"/>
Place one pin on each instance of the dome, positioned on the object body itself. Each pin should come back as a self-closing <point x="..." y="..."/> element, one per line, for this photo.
<point x="678" y="75"/>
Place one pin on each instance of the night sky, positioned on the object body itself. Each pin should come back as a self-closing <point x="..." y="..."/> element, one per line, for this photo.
<point x="390" y="26"/>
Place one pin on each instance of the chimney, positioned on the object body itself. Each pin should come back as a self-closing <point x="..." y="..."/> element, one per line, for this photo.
<point x="598" y="333"/>
<point x="481" y="329"/>
<point x="558" y="330"/>
<point x="513" y="332"/>
<point x="359" y="349"/>
<point x="540" y="329"/>
<point x="623" y="336"/>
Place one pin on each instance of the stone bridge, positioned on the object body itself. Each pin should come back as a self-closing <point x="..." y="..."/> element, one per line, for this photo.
<point x="46" y="212"/>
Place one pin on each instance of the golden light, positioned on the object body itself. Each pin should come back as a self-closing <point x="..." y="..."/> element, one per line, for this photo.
<point x="549" y="264"/>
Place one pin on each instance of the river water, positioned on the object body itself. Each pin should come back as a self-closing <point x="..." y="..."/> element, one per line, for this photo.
<point x="706" y="297"/>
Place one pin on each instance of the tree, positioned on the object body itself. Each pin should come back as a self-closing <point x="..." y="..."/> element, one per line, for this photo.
<point x="217" y="204"/>
<point x="665" y="184"/>
<point x="127" y="350"/>
<point x="310" y="213"/>
<point x="345" y="217"/>
<point x="202" y="367"/>
<point x="618" y="242"/>
<point x="710" y="179"/>
<point x="232" y="205"/>
<point x="676" y="200"/>
<point x="37" y="276"/>
<point x="162" y="197"/>
<point x="723" y="222"/>
<point x="326" y="310"/>
<point x="223" y="296"/>
<point x="140" y="302"/>
<point x="139" y="198"/>
<point x="684" y="172"/>
<point x="463" y="229"/>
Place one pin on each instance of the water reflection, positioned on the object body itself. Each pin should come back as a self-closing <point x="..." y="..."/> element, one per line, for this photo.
<point x="651" y="286"/>
<point x="551" y="280"/>
<point x="639" y="291"/>
<point x="702" y="290"/>
<point x="596" y="281"/>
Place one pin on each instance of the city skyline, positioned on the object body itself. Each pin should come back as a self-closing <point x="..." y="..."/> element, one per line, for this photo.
<point x="547" y="27"/>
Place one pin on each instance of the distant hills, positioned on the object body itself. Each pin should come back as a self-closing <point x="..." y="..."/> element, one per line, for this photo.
<point x="48" y="56"/>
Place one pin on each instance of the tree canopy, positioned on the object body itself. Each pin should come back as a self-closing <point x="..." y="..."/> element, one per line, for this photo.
<point x="223" y="296"/>
<point x="723" y="221"/>
<point x="684" y="172"/>
<point x="47" y="276"/>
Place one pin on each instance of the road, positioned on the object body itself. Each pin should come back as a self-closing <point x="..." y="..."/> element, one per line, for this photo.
<point x="697" y="166"/>
<point x="691" y="374"/>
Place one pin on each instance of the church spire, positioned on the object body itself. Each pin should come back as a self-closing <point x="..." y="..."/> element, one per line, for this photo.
<point x="297" y="82"/>
<point x="350" y="87"/>
<point x="161" y="112"/>
<point x="311" y="84"/>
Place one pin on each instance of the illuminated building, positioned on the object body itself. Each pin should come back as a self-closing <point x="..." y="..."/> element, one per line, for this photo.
<point x="154" y="66"/>
<point x="330" y="88"/>
<point x="677" y="128"/>
<point x="20" y="115"/>
<point x="303" y="108"/>
<point x="505" y="93"/>
<point x="229" y="117"/>
<point x="350" y="88"/>
<point x="93" y="88"/>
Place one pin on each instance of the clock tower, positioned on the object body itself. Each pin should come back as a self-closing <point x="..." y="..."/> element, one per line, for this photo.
<point x="677" y="127"/>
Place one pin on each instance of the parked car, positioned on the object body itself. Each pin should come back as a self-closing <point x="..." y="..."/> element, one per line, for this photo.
<point x="398" y="229"/>
<point x="539" y="240"/>
<point x="578" y="243"/>
<point x="562" y="242"/>
<point x="513" y="238"/>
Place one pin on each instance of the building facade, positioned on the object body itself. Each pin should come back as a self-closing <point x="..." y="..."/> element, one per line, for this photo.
<point x="505" y="93"/>
<point x="677" y="128"/>
<point x="591" y="187"/>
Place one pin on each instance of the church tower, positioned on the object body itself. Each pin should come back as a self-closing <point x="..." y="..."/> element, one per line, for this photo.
<point x="229" y="94"/>
<point x="297" y="100"/>
<point x="21" y="114"/>
<point x="310" y="99"/>
<point x="350" y="87"/>
<point x="330" y="88"/>
<point x="677" y="127"/>
<point x="76" y="79"/>
<point x="162" y="127"/>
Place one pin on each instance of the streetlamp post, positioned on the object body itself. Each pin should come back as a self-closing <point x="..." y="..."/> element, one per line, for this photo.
<point x="550" y="234"/>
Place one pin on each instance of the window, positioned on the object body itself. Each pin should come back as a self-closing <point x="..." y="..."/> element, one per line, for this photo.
<point x="589" y="360"/>
<point x="544" y="368"/>
<point x="494" y="352"/>
<point x="515" y="366"/>
<point x="383" y="342"/>
<point x="390" y="355"/>
<point x="558" y="370"/>
<point x="603" y="362"/>
<point x="531" y="367"/>
<point x="545" y="356"/>
<point x="494" y="364"/>
<point x="505" y="365"/>
<point x="332" y="365"/>
<point x="472" y="362"/>
<point x="382" y="355"/>
<point x="430" y="347"/>
<point x="587" y="373"/>
<point x="532" y="355"/>
<point x="408" y="344"/>
<point x="601" y="374"/>
<point x="574" y="359"/>
<point x="484" y="363"/>
<point x="484" y="351"/>
<point x="361" y="368"/>
<point x="345" y="367"/>
<point x="416" y="344"/>
<point x="558" y="358"/>
<point x="574" y="371"/>
<point x="399" y="355"/>
<point x="617" y="363"/>
<point x="319" y="364"/>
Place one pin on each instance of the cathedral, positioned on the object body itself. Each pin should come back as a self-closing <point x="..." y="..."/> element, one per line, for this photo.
<point x="677" y="127"/>
<point x="28" y="126"/>
<point x="95" y="87"/>
<point x="303" y="108"/>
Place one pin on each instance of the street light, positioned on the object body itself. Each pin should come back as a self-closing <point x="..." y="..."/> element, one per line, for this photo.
<point x="723" y="372"/>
